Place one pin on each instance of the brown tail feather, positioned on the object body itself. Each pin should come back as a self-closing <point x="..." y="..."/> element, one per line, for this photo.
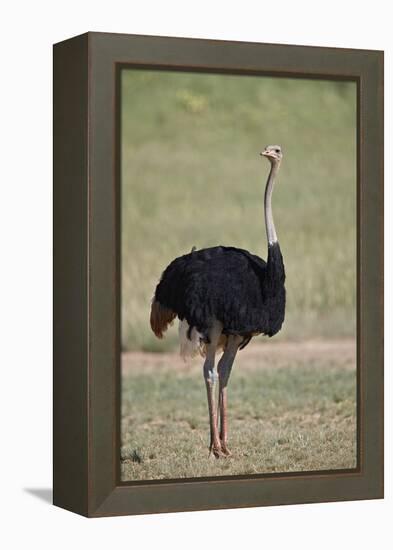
<point x="160" y="318"/>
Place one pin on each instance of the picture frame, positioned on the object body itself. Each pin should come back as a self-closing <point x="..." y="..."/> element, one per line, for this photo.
<point x="86" y="372"/>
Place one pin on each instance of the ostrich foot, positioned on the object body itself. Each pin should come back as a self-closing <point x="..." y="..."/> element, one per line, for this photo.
<point x="224" y="449"/>
<point x="216" y="451"/>
<point x="219" y="450"/>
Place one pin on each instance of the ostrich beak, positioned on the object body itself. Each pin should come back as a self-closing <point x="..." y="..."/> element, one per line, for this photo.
<point x="264" y="153"/>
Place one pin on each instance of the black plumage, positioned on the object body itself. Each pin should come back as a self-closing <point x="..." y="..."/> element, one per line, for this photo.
<point x="242" y="291"/>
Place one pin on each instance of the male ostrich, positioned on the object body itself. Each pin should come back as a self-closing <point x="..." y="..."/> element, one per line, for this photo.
<point x="223" y="296"/>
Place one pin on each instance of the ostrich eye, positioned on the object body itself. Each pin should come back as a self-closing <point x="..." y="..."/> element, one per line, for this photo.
<point x="277" y="150"/>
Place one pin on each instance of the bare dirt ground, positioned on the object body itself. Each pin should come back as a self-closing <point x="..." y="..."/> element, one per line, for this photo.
<point x="257" y="355"/>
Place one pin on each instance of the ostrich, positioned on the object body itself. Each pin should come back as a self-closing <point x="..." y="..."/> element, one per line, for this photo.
<point x="223" y="296"/>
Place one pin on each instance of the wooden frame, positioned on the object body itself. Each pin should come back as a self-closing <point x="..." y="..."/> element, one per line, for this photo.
<point x="86" y="274"/>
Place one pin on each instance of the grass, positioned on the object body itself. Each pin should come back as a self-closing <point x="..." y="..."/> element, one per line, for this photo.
<point x="296" y="412"/>
<point x="191" y="175"/>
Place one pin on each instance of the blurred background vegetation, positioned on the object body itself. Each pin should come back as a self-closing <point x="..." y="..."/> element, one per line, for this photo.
<point x="192" y="175"/>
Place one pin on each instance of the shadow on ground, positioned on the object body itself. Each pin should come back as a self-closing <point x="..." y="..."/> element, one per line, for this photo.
<point x="43" y="494"/>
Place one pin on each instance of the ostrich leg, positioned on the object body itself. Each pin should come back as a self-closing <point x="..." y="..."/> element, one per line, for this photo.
<point x="224" y="371"/>
<point x="210" y="378"/>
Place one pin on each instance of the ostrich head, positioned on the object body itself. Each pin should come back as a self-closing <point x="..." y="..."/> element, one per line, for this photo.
<point x="273" y="153"/>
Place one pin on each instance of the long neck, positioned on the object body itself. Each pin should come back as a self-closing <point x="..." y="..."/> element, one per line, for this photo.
<point x="269" y="222"/>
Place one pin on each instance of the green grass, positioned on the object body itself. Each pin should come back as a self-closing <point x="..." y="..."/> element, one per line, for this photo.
<point x="293" y="415"/>
<point x="191" y="175"/>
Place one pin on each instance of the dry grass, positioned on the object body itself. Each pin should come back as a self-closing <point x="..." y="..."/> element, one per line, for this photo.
<point x="292" y="407"/>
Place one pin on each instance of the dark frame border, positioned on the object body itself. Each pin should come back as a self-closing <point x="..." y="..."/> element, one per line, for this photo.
<point x="86" y="274"/>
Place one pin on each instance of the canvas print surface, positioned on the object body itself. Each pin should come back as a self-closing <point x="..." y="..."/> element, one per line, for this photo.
<point x="238" y="275"/>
